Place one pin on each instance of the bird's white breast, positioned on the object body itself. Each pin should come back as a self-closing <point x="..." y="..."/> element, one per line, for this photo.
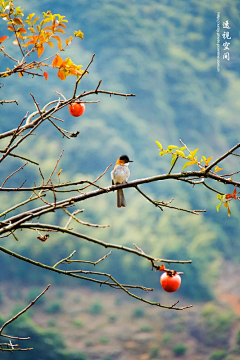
<point x="120" y="174"/>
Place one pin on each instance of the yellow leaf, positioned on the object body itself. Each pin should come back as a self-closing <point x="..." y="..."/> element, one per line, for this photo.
<point x="218" y="206"/>
<point x="159" y="144"/>
<point x="180" y="153"/>
<point x="217" y="169"/>
<point x="193" y="153"/>
<point x="189" y="163"/>
<point x="209" y="159"/>
<point x="172" y="147"/>
<point x="30" y="16"/>
<point x="79" y="34"/>
<point x="174" y="159"/>
<point x="35" y="20"/>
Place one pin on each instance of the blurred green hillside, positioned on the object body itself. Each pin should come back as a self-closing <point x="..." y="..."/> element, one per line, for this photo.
<point x="165" y="53"/>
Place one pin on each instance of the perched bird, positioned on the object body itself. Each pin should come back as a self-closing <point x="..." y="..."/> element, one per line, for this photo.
<point x="120" y="175"/>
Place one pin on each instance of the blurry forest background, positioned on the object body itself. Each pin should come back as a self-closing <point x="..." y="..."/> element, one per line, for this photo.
<point x="165" y="52"/>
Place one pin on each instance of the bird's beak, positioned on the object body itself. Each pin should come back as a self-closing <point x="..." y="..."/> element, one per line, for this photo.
<point x="130" y="160"/>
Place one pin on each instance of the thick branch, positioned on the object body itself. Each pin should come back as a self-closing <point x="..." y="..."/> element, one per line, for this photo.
<point x="48" y="227"/>
<point x="70" y="201"/>
<point x="224" y="156"/>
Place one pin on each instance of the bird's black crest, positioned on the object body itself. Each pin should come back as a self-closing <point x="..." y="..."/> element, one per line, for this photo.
<point x="125" y="158"/>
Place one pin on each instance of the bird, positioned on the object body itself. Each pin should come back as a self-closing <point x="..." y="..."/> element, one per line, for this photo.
<point x="120" y="175"/>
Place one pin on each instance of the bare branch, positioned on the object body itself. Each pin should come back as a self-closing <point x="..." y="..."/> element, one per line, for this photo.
<point x="48" y="227"/>
<point x="14" y="172"/>
<point x="22" y="312"/>
<point x="80" y="77"/>
<point x="80" y="221"/>
<point x="50" y="177"/>
<point x="20" y="157"/>
<point x="224" y="156"/>
<point x="8" y="102"/>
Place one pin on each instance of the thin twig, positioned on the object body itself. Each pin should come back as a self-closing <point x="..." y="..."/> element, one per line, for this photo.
<point x="82" y="222"/>
<point x="14" y="172"/>
<point x="80" y="77"/>
<point x="23" y="311"/>
<point x="55" y="167"/>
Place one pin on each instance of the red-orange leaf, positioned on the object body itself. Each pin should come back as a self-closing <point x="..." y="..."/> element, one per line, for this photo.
<point x="40" y="50"/>
<point x="22" y="30"/>
<point x="11" y="28"/>
<point x="57" y="62"/>
<point x="229" y="212"/>
<point x="228" y="196"/>
<point x="234" y="195"/>
<point x="28" y="43"/>
<point x="3" y="38"/>
<point x="61" y="75"/>
<point x="60" y="30"/>
<point x="60" y="45"/>
<point x="17" y="21"/>
<point x="45" y="74"/>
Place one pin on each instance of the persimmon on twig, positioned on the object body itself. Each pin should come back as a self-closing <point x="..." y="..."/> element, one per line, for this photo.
<point x="113" y="284"/>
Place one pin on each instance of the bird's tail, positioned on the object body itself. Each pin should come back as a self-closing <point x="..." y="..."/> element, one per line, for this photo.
<point x="121" y="202"/>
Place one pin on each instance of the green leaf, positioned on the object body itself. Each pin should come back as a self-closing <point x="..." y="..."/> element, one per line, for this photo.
<point x="218" y="206"/>
<point x="159" y="144"/>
